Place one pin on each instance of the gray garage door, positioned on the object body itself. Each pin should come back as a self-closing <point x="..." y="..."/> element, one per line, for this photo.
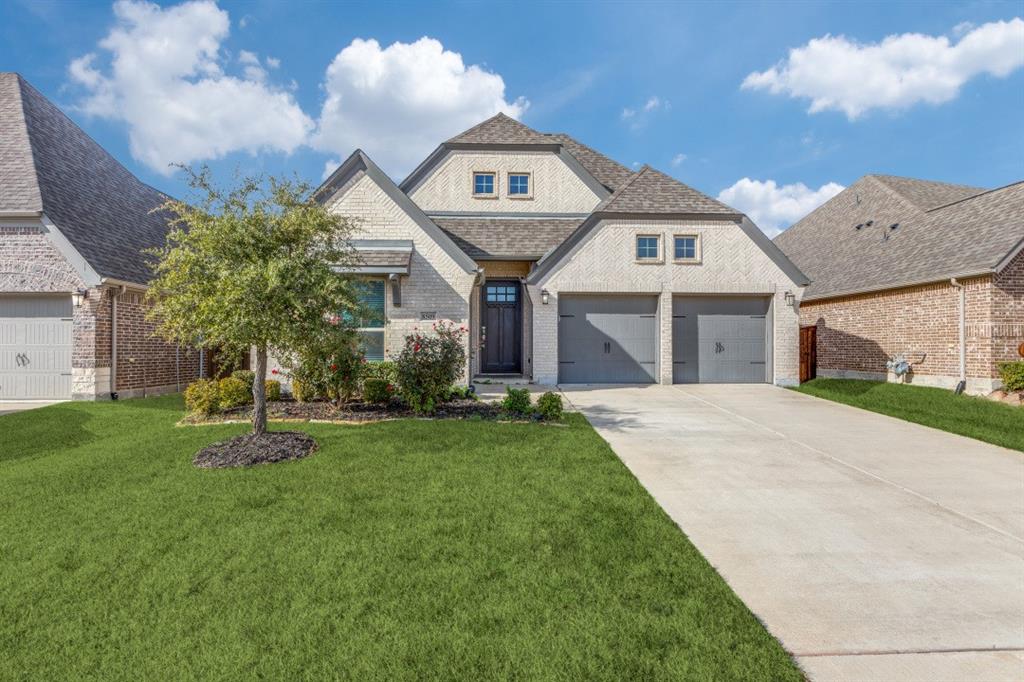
<point x="720" y="339"/>
<point x="35" y="347"/>
<point x="607" y="339"/>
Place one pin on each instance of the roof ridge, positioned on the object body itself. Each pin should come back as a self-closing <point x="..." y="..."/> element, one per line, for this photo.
<point x="975" y="196"/>
<point x="19" y="83"/>
<point x="875" y="178"/>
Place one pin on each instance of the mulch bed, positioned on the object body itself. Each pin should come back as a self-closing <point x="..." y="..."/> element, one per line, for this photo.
<point x="356" y="412"/>
<point x="248" y="450"/>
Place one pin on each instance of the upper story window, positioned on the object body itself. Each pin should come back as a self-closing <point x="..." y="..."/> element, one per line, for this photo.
<point x="686" y="247"/>
<point x="648" y="247"/>
<point x="519" y="185"/>
<point x="483" y="185"/>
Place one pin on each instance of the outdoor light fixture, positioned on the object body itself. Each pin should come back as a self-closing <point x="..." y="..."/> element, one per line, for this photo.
<point x="790" y="298"/>
<point x="544" y="296"/>
<point x="77" y="296"/>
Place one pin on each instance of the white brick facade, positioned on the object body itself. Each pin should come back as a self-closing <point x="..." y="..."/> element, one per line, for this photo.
<point x="436" y="283"/>
<point x="605" y="262"/>
<point x="556" y="187"/>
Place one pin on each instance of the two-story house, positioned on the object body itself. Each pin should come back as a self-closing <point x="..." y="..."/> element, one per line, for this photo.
<point x="566" y="266"/>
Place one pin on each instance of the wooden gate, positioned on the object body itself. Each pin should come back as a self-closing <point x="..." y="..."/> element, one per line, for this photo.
<point x="808" y="353"/>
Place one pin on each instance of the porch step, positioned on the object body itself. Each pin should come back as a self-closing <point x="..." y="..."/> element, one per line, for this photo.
<point x="501" y="379"/>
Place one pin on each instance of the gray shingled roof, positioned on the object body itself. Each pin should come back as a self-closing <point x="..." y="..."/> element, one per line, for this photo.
<point x="651" y="191"/>
<point x="501" y="129"/>
<point x="608" y="172"/>
<point x="96" y="203"/>
<point x="927" y="194"/>
<point x="513" y="238"/>
<point x="968" y="237"/>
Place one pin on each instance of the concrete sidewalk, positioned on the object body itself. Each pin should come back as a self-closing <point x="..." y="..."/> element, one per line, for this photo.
<point x="874" y="549"/>
<point x="10" y="406"/>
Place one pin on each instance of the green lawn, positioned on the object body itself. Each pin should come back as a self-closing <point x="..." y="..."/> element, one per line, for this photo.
<point x="969" y="416"/>
<point x="401" y="550"/>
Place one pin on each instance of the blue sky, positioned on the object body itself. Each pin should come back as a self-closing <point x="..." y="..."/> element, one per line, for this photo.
<point x="771" y="106"/>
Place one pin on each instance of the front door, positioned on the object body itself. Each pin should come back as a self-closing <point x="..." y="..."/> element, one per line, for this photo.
<point x="501" y="336"/>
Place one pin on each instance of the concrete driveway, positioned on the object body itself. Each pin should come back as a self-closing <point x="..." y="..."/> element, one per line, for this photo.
<point x="11" y="406"/>
<point x="874" y="549"/>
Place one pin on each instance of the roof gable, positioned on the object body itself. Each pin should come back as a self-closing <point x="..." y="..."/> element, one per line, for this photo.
<point x="104" y="211"/>
<point x="359" y="161"/>
<point x="608" y="172"/>
<point x="500" y="129"/>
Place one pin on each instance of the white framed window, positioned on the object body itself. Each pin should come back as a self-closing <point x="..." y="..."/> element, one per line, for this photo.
<point x="485" y="184"/>
<point x="520" y="186"/>
<point x="371" y="325"/>
<point x="648" y="248"/>
<point x="686" y="248"/>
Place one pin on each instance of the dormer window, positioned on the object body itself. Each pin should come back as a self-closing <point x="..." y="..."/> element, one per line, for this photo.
<point x="483" y="185"/>
<point x="519" y="185"/>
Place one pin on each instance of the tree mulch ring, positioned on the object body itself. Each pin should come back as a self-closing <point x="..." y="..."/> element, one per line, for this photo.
<point x="248" y="450"/>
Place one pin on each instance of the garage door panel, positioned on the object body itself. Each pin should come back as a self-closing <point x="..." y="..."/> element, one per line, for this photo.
<point x="720" y="339"/>
<point x="607" y="339"/>
<point x="35" y="347"/>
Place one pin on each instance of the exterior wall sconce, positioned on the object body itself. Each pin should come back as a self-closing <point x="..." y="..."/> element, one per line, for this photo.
<point x="790" y="298"/>
<point x="544" y="296"/>
<point x="77" y="296"/>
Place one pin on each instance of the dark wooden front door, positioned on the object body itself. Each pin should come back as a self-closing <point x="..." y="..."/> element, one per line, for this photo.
<point x="808" y="353"/>
<point x="501" y="336"/>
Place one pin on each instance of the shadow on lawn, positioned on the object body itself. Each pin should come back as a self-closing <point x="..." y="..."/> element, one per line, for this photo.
<point x="26" y="434"/>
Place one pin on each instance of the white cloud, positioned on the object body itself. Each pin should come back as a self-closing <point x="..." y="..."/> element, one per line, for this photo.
<point x="398" y="102"/>
<point x="166" y="81"/>
<point x="774" y="208"/>
<point x="655" y="103"/>
<point x="330" y="165"/>
<point x="840" y="74"/>
<point x="677" y="160"/>
<point x="639" y="115"/>
<point x="628" y="113"/>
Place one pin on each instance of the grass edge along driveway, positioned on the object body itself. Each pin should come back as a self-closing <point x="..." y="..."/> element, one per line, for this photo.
<point x="402" y="550"/>
<point x="971" y="416"/>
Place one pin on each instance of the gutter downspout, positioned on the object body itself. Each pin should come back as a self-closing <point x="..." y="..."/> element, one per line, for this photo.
<point x="962" y="384"/>
<point x="117" y="291"/>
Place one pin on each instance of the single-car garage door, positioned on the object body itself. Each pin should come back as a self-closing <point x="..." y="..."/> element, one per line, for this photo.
<point x="35" y="347"/>
<point x="720" y="339"/>
<point x="607" y="339"/>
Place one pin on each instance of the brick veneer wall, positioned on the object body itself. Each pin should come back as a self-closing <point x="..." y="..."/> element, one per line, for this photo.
<point x="605" y="262"/>
<point x="30" y="263"/>
<point x="857" y="334"/>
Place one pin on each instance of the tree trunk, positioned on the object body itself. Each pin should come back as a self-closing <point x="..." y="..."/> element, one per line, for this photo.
<point x="259" y="392"/>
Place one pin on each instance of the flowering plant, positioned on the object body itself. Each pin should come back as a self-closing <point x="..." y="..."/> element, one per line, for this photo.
<point x="429" y="364"/>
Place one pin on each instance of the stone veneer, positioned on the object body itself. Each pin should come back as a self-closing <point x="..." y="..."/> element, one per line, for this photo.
<point x="857" y="334"/>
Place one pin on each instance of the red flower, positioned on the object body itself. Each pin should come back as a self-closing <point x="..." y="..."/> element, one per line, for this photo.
<point x="273" y="371"/>
<point x="334" y="368"/>
<point x="416" y="348"/>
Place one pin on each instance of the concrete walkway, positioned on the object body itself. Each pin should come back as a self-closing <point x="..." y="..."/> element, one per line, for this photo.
<point x="874" y="549"/>
<point x="10" y="406"/>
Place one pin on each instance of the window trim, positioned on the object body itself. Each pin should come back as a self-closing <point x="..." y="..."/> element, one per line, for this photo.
<point x="383" y="329"/>
<point x="697" y="249"/>
<point x="529" y="185"/>
<point x="660" y="258"/>
<point x="496" y="180"/>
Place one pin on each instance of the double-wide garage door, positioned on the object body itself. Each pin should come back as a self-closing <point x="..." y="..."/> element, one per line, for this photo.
<point x="35" y="347"/>
<point x="614" y="339"/>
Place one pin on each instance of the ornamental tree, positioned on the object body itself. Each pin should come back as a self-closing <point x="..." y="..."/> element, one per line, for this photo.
<point x="259" y="265"/>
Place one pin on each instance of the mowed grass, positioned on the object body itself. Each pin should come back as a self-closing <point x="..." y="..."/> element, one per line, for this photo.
<point x="970" y="416"/>
<point x="402" y="550"/>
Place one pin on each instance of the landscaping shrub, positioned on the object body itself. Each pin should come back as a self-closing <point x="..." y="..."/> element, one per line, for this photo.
<point x="517" y="401"/>
<point x="549" y="406"/>
<point x="233" y="393"/>
<point x="429" y="365"/>
<point x="246" y="376"/>
<point x="302" y="391"/>
<point x="273" y="389"/>
<point x="1012" y="374"/>
<point x="381" y="369"/>
<point x="461" y="393"/>
<point x="376" y="390"/>
<point x="202" y="397"/>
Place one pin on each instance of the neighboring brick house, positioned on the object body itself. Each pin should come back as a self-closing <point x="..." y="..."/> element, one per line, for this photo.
<point x="73" y="224"/>
<point x="566" y="266"/>
<point x="890" y="258"/>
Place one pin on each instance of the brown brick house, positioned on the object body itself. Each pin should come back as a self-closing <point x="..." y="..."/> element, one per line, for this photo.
<point x="891" y="260"/>
<point x="73" y="225"/>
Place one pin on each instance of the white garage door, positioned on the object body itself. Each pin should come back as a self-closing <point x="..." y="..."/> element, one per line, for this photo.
<point x="35" y="347"/>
